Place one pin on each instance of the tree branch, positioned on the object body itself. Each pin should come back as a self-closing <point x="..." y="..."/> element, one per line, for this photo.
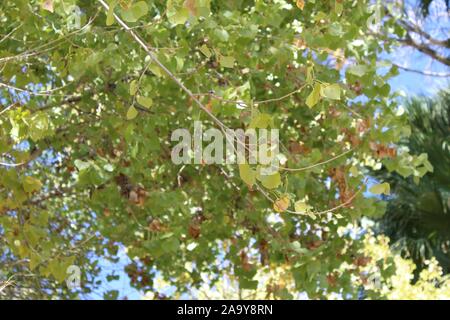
<point x="425" y="73"/>
<point x="426" y="50"/>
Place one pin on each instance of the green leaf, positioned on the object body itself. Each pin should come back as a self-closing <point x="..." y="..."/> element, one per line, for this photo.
<point x="309" y="76"/>
<point x="354" y="171"/>
<point x="179" y="17"/>
<point x="33" y="234"/>
<point x="145" y="101"/>
<point x="222" y="35"/>
<point x="332" y="91"/>
<point x="272" y="181"/>
<point x="132" y="113"/>
<point x="297" y="247"/>
<point x="108" y="167"/>
<point x="35" y="260"/>
<point x="134" y="86"/>
<point x="156" y="70"/>
<point x="31" y="184"/>
<point x="382" y="188"/>
<point x="111" y="295"/>
<point x="135" y="12"/>
<point x="248" y="284"/>
<point x="82" y="165"/>
<point x="247" y="174"/>
<point x="314" y="96"/>
<point x="260" y="121"/>
<point x="39" y="126"/>
<point x="302" y="207"/>
<point x="227" y="61"/>
<point x="357" y="70"/>
<point x="58" y="269"/>
<point x="384" y="90"/>
<point x="110" y="15"/>
<point x="205" y="50"/>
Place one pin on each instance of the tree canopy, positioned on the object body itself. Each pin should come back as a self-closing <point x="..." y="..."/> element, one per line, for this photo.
<point x="90" y="92"/>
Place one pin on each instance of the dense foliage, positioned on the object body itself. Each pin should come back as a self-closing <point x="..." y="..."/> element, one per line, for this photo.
<point x="91" y="95"/>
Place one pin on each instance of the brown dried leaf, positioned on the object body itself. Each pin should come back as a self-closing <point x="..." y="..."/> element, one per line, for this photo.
<point x="194" y="230"/>
<point x="301" y="4"/>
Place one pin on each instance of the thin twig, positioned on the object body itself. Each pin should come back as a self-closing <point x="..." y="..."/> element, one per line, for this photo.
<point x="46" y="46"/>
<point x="6" y="283"/>
<point x="10" y="33"/>
<point x="315" y="165"/>
<point x="7" y="108"/>
<point x="423" y="72"/>
<point x="47" y="93"/>
<point x="241" y="102"/>
<point x="282" y="97"/>
<point x="342" y="205"/>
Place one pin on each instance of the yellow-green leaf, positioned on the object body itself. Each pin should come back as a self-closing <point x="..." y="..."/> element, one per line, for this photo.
<point x="134" y="86"/>
<point x="156" y="70"/>
<point x="247" y="174"/>
<point x="354" y="171"/>
<point x="145" y="101"/>
<point x="271" y="181"/>
<point x="332" y="91"/>
<point x="35" y="260"/>
<point x="110" y="16"/>
<point x="314" y="96"/>
<point x="260" y="121"/>
<point x="309" y="76"/>
<point x="205" y="50"/>
<point x="135" y="12"/>
<point x="132" y="113"/>
<point x="227" y="62"/>
<point x="302" y="207"/>
<point x="31" y="184"/>
<point x="179" y="17"/>
<point x="357" y="70"/>
<point x="382" y="188"/>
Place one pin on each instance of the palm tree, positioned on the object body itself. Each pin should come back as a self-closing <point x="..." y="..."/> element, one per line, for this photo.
<point x="417" y="219"/>
<point x="425" y="6"/>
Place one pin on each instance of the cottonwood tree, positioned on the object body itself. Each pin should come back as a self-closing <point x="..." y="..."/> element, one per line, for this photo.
<point x="91" y="92"/>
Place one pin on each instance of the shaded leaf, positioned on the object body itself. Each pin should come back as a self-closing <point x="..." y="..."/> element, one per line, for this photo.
<point x="132" y="113"/>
